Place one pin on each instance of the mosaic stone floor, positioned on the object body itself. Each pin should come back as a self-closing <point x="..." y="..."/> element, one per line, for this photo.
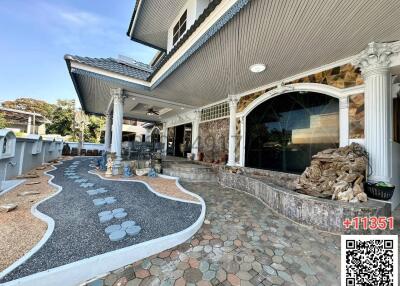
<point x="241" y="243"/>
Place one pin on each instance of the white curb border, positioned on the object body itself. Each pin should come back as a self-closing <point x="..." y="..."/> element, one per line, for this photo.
<point x="48" y="220"/>
<point x="78" y="272"/>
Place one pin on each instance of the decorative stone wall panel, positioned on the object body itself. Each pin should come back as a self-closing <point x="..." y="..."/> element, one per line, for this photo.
<point x="213" y="139"/>
<point x="344" y="76"/>
<point x="356" y="116"/>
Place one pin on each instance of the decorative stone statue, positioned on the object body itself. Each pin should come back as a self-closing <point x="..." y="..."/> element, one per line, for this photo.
<point x="127" y="170"/>
<point x="152" y="173"/>
<point x="102" y="163"/>
<point x="109" y="165"/>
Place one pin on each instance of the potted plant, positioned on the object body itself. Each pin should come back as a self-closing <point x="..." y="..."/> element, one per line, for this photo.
<point x="380" y="190"/>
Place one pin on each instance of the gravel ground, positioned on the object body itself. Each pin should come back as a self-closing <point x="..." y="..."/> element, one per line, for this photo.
<point x="19" y="229"/>
<point x="78" y="233"/>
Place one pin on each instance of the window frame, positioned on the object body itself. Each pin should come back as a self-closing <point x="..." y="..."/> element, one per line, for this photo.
<point x="179" y="28"/>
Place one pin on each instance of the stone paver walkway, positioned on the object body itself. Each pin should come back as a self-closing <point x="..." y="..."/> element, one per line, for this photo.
<point x="241" y="243"/>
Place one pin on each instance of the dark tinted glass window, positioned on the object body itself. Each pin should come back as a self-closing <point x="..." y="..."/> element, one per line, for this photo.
<point x="284" y="132"/>
<point x="179" y="28"/>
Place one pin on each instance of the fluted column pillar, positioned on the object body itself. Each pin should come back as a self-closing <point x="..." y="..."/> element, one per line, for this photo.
<point x="107" y="135"/>
<point x="344" y="121"/>
<point x="374" y="63"/>
<point x="195" y="134"/>
<point x="164" y="138"/>
<point x="118" y="115"/>
<point x="232" y="130"/>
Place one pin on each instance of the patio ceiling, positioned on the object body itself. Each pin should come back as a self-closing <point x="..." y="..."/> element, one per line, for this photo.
<point x="152" y="18"/>
<point x="290" y="37"/>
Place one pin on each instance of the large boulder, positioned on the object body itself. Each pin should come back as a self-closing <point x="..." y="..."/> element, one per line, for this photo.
<point x="337" y="174"/>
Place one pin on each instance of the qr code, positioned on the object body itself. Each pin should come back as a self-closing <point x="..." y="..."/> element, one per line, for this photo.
<point x="369" y="260"/>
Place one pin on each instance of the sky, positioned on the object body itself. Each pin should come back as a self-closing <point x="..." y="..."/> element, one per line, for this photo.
<point x="36" y="34"/>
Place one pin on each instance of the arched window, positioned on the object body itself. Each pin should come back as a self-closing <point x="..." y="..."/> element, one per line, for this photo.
<point x="283" y="133"/>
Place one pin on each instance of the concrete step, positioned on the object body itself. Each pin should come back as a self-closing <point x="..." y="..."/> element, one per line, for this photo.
<point x="192" y="175"/>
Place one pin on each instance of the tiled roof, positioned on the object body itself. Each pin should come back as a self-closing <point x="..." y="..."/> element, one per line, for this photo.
<point x="132" y="69"/>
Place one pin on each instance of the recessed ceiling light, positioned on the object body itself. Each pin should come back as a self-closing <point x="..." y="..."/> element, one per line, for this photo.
<point x="133" y="98"/>
<point x="182" y="108"/>
<point x="257" y="68"/>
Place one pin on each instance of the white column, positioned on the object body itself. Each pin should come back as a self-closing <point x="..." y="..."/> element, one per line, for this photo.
<point x="195" y="134"/>
<point x="107" y="135"/>
<point x="164" y="138"/>
<point x="232" y="130"/>
<point x="242" y="140"/>
<point x="118" y="114"/>
<point x="344" y="121"/>
<point x="374" y="63"/>
<point x="29" y="128"/>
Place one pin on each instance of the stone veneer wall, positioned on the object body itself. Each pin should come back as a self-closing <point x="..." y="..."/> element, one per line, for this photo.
<point x="344" y="76"/>
<point x="213" y="139"/>
<point x="323" y="214"/>
<point x="356" y="116"/>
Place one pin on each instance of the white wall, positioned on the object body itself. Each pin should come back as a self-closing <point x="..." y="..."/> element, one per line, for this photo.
<point x="87" y="146"/>
<point x="194" y="9"/>
<point x="24" y="160"/>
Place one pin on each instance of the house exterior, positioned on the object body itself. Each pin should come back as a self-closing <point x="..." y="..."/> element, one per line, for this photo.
<point x="24" y="121"/>
<point x="266" y="84"/>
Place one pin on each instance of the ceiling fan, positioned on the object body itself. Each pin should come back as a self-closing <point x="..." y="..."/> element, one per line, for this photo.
<point x="151" y="111"/>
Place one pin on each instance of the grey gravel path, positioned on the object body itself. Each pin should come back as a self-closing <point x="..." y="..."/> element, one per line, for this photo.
<point x="78" y="233"/>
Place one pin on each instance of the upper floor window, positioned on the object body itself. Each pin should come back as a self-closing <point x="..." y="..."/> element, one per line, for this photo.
<point x="179" y="28"/>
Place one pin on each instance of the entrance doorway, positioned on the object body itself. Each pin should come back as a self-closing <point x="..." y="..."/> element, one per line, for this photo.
<point x="179" y="140"/>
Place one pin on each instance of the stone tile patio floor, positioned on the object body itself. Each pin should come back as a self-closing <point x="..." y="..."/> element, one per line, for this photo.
<point x="242" y="242"/>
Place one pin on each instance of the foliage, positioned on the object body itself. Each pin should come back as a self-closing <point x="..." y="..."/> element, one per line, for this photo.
<point x="93" y="129"/>
<point x="31" y="105"/>
<point x="3" y="122"/>
<point x="62" y="118"/>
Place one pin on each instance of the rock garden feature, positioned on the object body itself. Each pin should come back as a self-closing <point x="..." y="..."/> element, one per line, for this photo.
<point x="337" y="174"/>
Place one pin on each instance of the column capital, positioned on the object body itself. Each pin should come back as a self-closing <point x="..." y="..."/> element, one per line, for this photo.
<point x="375" y="58"/>
<point x="117" y="94"/>
<point x="197" y="114"/>
<point x="233" y="100"/>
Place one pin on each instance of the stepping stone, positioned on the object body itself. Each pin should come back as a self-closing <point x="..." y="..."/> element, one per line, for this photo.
<point x="32" y="183"/>
<point x="104" y="213"/>
<point x="133" y="230"/>
<point x="99" y="202"/>
<point x="110" y="200"/>
<point x="119" y="210"/>
<point x="74" y="177"/>
<point x="81" y="181"/>
<point x="127" y="224"/>
<point x="8" y="207"/>
<point x="117" y="235"/>
<point x="112" y="228"/>
<point x="41" y="168"/>
<point x="120" y="215"/>
<point x="102" y="202"/>
<point x="86" y="185"/>
<point x="28" y="193"/>
<point x="106" y="218"/>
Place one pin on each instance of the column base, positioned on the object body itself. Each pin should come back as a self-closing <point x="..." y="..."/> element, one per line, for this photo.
<point x="117" y="167"/>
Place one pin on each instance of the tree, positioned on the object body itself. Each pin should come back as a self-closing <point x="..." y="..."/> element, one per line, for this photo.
<point x="3" y="122"/>
<point x="31" y="105"/>
<point x="62" y="118"/>
<point x="93" y="129"/>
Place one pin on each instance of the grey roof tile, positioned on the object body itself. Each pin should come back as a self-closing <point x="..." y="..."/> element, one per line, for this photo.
<point x="133" y="69"/>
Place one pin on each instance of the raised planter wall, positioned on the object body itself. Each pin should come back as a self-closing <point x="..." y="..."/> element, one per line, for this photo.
<point x="322" y="214"/>
<point x="24" y="160"/>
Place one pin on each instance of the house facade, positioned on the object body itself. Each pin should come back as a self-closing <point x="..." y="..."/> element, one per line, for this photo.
<point x="261" y="84"/>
